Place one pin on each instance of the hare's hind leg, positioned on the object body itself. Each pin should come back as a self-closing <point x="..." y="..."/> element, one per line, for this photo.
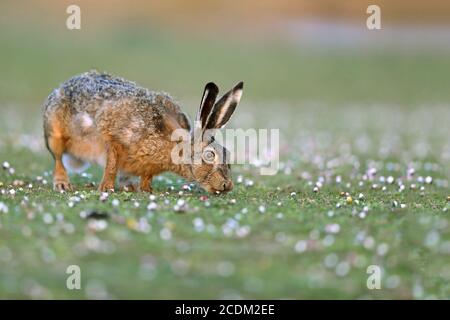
<point x="56" y="115"/>
<point x="110" y="172"/>
<point x="57" y="145"/>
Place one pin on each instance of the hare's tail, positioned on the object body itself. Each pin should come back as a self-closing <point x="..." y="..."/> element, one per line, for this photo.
<point x="73" y="164"/>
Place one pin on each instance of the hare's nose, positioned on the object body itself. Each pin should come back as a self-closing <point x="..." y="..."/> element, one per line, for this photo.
<point x="227" y="186"/>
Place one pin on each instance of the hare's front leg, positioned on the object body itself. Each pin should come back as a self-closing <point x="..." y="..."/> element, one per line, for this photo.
<point x="110" y="172"/>
<point x="146" y="183"/>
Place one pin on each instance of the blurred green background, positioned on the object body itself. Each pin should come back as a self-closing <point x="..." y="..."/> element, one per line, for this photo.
<point x="290" y="51"/>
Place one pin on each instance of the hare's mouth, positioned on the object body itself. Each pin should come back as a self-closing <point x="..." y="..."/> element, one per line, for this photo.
<point x="224" y="188"/>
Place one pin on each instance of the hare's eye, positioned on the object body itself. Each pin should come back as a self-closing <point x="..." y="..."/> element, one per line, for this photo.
<point x="209" y="156"/>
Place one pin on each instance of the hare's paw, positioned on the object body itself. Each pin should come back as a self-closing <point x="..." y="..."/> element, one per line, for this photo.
<point x="106" y="187"/>
<point x="61" y="185"/>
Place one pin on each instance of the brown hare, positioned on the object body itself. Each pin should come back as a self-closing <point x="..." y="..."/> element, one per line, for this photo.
<point x="99" y="118"/>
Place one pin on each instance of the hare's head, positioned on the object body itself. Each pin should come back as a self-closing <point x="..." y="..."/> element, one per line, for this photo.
<point x="210" y="160"/>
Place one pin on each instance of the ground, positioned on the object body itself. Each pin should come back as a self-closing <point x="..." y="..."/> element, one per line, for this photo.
<point x="271" y="237"/>
<point x="353" y="124"/>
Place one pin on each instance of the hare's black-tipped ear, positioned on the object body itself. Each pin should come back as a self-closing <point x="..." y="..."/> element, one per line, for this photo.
<point x="184" y="121"/>
<point x="225" y="107"/>
<point x="207" y="103"/>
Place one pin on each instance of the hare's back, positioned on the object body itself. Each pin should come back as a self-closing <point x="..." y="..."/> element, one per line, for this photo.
<point x="92" y="86"/>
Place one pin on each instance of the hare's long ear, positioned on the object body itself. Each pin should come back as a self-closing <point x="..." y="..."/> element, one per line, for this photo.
<point x="224" y="108"/>
<point x="207" y="103"/>
<point x="184" y="121"/>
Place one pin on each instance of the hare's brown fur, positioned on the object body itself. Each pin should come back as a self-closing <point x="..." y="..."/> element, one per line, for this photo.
<point x="111" y="121"/>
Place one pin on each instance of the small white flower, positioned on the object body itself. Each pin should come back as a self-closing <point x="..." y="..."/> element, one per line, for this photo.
<point x="165" y="234"/>
<point x="3" y="208"/>
<point x="332" y="228"/>
<point x="301" y="246"/>
<point x="249" y="183"/>
<point x="48" y="218"/>
<point x="152" y="206"/>
<point x="103" y="196"/>
<point x="243" y="231"/>
<point x="199" y="225"/>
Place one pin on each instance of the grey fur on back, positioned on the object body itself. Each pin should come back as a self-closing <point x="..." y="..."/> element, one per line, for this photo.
<point x="94" y="86"/>
<point x="94" y="93"/>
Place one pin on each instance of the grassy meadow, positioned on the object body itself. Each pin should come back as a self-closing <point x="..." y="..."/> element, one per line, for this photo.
<point x="369" y="129"/>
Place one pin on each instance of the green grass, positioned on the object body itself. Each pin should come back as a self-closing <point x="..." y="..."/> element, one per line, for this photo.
<point x="338" y="112"/>
<point x="242" y="252"/>
<point x="34" y="65"/>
